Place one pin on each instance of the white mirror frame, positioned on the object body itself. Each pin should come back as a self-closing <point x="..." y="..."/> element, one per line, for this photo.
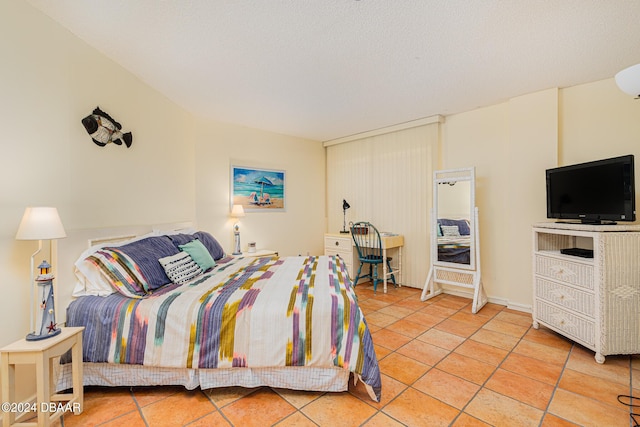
<point x="450" y="273"/>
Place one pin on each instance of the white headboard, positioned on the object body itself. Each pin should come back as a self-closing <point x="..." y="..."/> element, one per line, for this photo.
<point x="67" y="251"/>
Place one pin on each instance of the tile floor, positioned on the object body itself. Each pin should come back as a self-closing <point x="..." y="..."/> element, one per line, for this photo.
<point x="440" y="364"/>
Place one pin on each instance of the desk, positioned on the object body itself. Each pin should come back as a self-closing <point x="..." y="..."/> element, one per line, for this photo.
<point x="390" y="242"/>
<point x="42" y="354"/>
<point x="342" y="244"/>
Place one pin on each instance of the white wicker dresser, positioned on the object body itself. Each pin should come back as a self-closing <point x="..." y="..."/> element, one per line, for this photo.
<point x="592" y="301"/>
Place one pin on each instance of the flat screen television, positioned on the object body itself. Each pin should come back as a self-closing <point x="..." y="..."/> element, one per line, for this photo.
<point x="602" y="191"/>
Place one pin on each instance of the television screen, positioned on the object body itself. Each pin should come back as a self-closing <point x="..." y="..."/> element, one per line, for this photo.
<point x="593" y="192"/>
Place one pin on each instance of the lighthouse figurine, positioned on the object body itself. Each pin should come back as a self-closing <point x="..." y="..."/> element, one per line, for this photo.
<point x="46" y="313"/>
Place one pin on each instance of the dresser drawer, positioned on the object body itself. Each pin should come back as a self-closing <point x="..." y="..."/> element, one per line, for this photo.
<point x="565" y="296"/>
<point x="338" y="243"/>
<point x="570" y="325"/>
<point x="574" y="273"/>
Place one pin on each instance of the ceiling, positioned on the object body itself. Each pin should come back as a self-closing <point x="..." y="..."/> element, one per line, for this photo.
<point x="324" y="69"/>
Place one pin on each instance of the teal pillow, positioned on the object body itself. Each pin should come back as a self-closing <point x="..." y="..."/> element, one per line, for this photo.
<point x="199" y="253"/>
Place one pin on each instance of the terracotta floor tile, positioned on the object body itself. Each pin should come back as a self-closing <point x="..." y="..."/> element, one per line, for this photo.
<point x="412" y="303"/>
<point x="408" y="328"/>
<point x="382" y="420"/>
<point x="521" y="388"/>
<point x="260" y="408"/>
<point x="448" y="388"/>
<point x="551" y="420"/>
<point x="462" y="329"/>
<point x="515" y="317"/>
<point x="212" y="419"/>
<point x="403" y="368"/>
<point x="147" y="395"/>
<point x="390" y="389"/>
<point x="396" y="311"/>
<point x="423" y="318"/>
<point x="413" y="408"/>
<point x="513" y="329"/>
<point x="542" y="352"/>
<point x="441" y="339"/>
<point x="466" y="420"/>
<point x="437" y="309"/>
<point x="423" y="352"/>
<point x="381" y="352"/>
<point x="594" y="387"/>
<point x="532" y="368"/>
<point x="548" y="337"/>
<point x="465" y="367"/>
<point x="498" y="410"/>
<point x="489" y="310"/>
<point x="454" y="301"/>
<point x="380" y="319"/>
<point x="102" y="404"/>
<point x="298" y="398"/>
<point x="338" y="409"/>
<point x="615" y="368"/>
<point x="297" y="419"/>
<point x="586" y="412"/>
<point x="496" y="339"/>
<point x="483" y="352"/>
<point x="181" y="408"/>
<point x="222" y="396"/>
<point x="131" y="419"/>
<point x="389" y="339"/>
<point x="468" y="317"/>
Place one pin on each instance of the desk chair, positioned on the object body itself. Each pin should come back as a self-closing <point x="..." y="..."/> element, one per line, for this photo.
<point x="369" y="246"/>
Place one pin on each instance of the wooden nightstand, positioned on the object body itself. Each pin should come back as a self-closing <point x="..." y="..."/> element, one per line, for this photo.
<point x="42" y="354"/>
<point x="260" y="252"/>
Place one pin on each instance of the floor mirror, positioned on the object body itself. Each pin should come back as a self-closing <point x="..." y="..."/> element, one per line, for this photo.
<point x="455" y="248"/>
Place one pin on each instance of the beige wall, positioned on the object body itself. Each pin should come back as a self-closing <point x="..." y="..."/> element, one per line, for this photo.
<point x="176" y="170"/>
<point x="298" y="230"/>
<point x="511" y="145"/>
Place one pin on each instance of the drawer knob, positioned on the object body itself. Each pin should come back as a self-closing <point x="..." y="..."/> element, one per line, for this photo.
<point x="337" y="243"/>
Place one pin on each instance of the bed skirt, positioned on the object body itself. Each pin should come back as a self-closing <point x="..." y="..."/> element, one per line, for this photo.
<point x="295" y="378"/>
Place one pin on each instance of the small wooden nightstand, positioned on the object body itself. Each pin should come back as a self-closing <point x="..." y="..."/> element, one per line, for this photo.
<point x="260" y="252"/>
<point x="42" y="354"/>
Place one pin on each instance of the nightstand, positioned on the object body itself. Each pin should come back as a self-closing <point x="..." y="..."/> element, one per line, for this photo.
<point x="261" y="252"/>
<point x="42" y="354"/>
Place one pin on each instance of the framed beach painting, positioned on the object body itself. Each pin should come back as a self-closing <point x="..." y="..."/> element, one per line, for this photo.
<point x="257" y="189"/>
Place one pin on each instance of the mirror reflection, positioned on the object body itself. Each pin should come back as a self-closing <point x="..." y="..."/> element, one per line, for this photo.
<point x="454" y="221"/>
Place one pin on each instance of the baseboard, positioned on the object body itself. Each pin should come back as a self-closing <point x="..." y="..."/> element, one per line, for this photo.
<point x="499" y="301"/>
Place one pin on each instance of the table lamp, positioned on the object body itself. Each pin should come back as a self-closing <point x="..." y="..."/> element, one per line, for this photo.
<point x="345" y="206"/>
<point x="41" y="223"/>
<point x="237" y="212"/>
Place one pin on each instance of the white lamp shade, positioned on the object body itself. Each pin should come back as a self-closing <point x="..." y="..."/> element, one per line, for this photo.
<point x="237" y="211"/>
<point x="628" y="80"/>
<point x="40" y="223"/>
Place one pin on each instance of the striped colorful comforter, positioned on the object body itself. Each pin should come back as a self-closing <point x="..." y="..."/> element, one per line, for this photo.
<point x="246" y="312"/>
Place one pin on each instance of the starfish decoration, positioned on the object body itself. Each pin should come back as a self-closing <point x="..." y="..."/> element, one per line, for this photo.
<point x="51" y="327"/>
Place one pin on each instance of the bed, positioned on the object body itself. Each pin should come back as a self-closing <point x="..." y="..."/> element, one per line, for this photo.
<point x="174" y="309"/>
<point x="454" y="240"/>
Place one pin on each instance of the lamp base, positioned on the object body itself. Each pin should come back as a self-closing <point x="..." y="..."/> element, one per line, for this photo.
<point x="344" y="231"/>
<point x="35" y="337"/>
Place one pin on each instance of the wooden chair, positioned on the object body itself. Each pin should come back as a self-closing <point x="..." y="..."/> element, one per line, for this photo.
<point x="369" y="246"/>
